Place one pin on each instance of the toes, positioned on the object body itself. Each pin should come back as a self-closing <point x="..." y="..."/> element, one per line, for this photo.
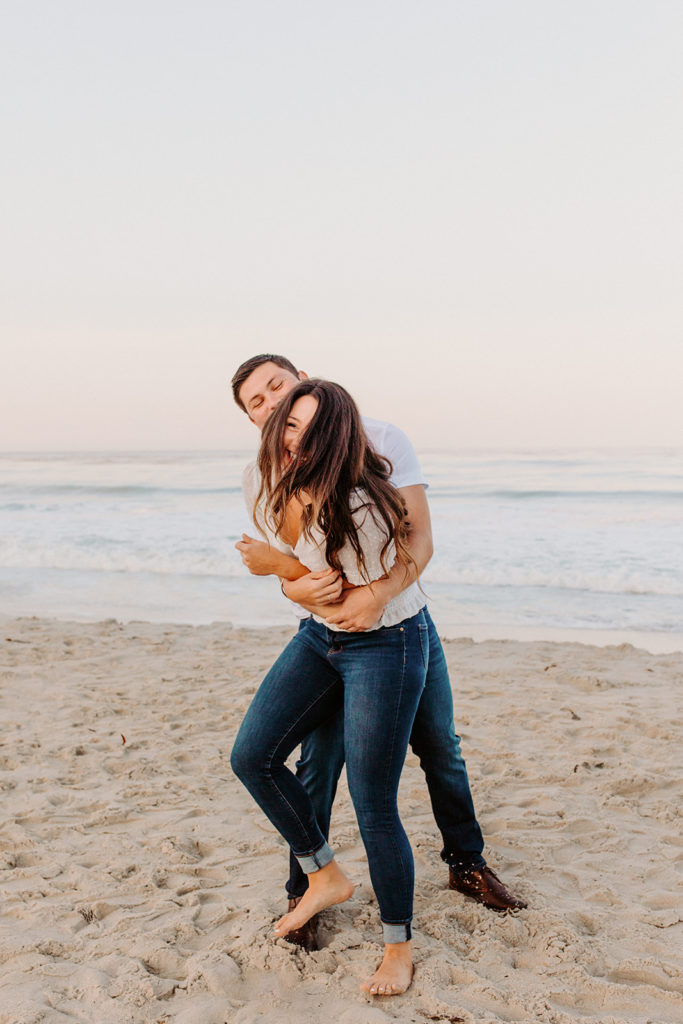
<point x="383" y="988"/>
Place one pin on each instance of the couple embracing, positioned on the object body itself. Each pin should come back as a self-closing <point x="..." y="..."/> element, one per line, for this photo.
<point x="340" y="503"/>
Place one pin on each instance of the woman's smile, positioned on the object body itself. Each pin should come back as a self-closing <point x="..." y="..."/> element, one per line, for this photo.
<point x="300" y="416"/>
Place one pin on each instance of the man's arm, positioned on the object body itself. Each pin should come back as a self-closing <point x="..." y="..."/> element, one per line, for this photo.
<point x="361" y="607"/>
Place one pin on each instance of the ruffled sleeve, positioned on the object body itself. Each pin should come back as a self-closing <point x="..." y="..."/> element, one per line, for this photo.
<point x="372" y="535"/>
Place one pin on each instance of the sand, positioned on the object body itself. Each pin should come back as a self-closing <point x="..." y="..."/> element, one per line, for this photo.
<point x="140" y="883"/>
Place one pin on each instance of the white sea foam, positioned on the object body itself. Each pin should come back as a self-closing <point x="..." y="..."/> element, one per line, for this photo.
<point x="96" y="554"/>
<point x="566" y="539"/>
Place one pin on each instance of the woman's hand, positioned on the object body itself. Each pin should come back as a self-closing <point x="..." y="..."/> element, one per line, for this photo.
<point x="316" y="588"/>
<point x="263" y="560"/>
<point x="359" y="609"/>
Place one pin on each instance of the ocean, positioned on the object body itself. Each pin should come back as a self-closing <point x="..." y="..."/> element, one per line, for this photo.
<point x="526" y="543"/>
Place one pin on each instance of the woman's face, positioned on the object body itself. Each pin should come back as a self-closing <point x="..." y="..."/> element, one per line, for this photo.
<point x="300" y="415"/>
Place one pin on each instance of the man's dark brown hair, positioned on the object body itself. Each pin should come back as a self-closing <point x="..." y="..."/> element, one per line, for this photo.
<point x="248" y="367"/>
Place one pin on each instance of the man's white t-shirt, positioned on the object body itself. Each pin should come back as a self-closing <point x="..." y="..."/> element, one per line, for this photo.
<point x="387" y="440"/>
<point x="391" y="442"/>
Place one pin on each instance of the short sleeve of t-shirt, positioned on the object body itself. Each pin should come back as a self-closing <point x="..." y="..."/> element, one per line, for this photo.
<point x="390" y="441"/>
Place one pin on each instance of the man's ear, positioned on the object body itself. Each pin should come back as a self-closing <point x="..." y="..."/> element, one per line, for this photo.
<point x="303" y="375"/>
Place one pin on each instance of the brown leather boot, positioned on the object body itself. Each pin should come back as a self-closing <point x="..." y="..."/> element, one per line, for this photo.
<point x="306" y="937"/>
<point x="484" y="886"/>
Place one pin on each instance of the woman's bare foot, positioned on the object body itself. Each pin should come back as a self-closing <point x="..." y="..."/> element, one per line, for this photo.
<point x="394" y="974"/>
<point x="326" y="887"/>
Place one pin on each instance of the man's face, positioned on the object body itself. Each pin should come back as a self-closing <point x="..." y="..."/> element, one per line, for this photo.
<point x="264" y="389"/>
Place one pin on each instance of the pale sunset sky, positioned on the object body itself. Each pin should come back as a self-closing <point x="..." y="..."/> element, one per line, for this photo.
<point x="470" y="214"/>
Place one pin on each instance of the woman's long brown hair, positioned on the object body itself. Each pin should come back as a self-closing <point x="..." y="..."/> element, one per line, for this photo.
<point x="334" y="458"/>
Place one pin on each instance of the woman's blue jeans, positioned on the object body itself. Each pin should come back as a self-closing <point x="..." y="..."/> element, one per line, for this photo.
<point x="434" y="740"/>
<point x="378" y="676"/>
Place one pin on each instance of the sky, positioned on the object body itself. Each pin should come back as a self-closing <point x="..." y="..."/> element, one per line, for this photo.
<point x="469" y="214"/>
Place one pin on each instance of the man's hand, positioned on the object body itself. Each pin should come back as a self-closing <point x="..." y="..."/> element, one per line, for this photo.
<point x="263" y="560"/>
<point x="358" y="610"/>
<point x="316" y="588"/>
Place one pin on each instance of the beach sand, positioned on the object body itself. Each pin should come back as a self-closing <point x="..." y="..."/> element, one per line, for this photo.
<point x="140" y="882"/>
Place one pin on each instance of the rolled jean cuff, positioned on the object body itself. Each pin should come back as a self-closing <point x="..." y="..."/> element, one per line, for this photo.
<point x="396" y="932"/>
<point x="315" y="861"/>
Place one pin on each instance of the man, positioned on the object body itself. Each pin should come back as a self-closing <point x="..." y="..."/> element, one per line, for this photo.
<point x="258" y="386"/>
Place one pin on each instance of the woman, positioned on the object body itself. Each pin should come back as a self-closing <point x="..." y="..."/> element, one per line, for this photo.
<point x="325" y="493"/>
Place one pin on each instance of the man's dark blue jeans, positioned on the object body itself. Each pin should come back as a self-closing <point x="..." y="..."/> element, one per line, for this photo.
<point x="434" y="741"/>
<point x="377" y="678"/>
